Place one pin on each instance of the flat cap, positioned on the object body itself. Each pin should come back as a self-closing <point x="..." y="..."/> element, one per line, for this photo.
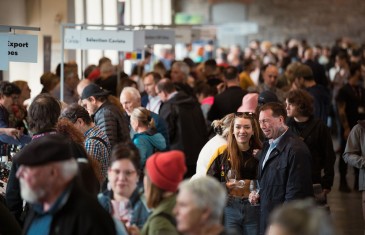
<point x="43" y="150"/>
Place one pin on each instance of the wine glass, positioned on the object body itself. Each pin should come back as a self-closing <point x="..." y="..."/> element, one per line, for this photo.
<point x="255" y="190"/>
<point x="255" y="186"/>
<point x="231" y="176"/>
<point x="125" y="212"/>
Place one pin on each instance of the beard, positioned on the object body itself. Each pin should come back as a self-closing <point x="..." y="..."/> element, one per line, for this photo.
<point x="30" y="195"/>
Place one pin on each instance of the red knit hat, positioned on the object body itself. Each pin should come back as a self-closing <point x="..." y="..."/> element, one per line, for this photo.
<point x="166" y="170"/>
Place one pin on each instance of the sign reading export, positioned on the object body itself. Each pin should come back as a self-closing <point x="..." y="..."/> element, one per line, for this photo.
<point x="104" y="39"/>
<point x="23" y="48"/>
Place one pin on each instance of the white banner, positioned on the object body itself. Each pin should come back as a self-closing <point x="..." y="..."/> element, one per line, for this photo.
<point x="4" y="58"/>
<point x="160" y="36"/>
<point x="239" y="28"/>
<point x="104" y="39"/>
<point x="23" y="48"/>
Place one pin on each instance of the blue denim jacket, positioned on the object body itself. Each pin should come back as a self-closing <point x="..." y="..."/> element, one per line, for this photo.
<point x="140" y="210"/>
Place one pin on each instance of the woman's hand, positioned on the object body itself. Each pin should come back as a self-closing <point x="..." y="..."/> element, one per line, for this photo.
<point x="15" y="133"/>
<point x="254" y="198"/>
<point x="133" y="230"/>
<point x="230" y="185"/>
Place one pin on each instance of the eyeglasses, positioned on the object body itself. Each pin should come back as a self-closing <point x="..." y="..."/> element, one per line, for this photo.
<point x="127" y="173"/>
<point x="249" y="114"/>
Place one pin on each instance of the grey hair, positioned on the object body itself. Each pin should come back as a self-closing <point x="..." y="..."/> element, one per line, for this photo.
<point x="183" y="67"/>
<point x="132" y="91"/>
<point x="303" y="217"/>
<point x="69" y="168"/>
<point x="207" y="193"/>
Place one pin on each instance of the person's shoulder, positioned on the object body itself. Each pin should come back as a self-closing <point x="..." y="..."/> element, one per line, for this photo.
<point x="161" y="224"/>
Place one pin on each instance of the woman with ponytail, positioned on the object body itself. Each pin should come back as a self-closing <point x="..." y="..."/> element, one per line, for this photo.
<point x="214" y="146"/>
<point x="146" y="139"/>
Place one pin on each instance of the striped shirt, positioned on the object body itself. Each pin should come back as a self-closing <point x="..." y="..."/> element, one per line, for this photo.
<point x="97" y="149"/>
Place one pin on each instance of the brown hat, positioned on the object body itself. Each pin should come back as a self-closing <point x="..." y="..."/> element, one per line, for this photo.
<point x="303" y="71"/>
<point x="43" y="150"/>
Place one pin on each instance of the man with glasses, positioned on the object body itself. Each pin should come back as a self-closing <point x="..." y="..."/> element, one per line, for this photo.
<point x="48" y="175"/>
<point x="105" y="114"/>
<point x="285" y="164"/>
<point x="96" y="142"/>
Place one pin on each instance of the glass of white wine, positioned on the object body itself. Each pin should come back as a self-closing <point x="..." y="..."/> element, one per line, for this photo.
<point x="231" y="176"/>
<point x="255" y="190"/>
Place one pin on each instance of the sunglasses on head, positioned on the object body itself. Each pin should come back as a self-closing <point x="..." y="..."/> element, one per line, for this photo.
<point x="240" y="114"/>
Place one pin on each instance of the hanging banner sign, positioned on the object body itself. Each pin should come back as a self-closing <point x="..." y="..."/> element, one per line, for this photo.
<point x="4" y="61"/>
<point x="204" y="33"/>
<point x="239" y="28"/>
<point x="23" y="48"/>
<point x="183" y="35"/>
<point x="160" y="36"/>
<point x="104" y="39"/>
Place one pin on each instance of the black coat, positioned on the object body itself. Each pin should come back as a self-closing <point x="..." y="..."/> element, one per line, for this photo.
<point x="317" y="137"/>
<point x="186" y="126"/>
<point x="286" y="175"/>
<point x="82" y="214"/>
<point x="226" y="102"/>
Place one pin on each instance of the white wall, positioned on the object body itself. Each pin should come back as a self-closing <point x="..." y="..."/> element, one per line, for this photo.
<point x="46" y="14"/>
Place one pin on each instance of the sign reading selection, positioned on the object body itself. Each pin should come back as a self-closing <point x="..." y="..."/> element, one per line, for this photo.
<point x="104" y="39"/>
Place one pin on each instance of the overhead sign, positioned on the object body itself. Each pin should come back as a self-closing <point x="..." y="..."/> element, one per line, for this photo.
<point x="4" y="61"/>
<point x="204" y="33"/>
<point x="239" y="28"/>
<point x="104" y="39"/>
<point x="160" y="36"/>
<point x="23" y="48"/>
<point x="183" y="35"/>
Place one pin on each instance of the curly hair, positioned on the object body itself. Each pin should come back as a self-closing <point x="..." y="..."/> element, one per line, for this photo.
<point x="8" y="89"/>
<point x="302" y="100"/>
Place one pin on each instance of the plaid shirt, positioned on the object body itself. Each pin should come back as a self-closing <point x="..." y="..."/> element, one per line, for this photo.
<point x="97" y="149"/>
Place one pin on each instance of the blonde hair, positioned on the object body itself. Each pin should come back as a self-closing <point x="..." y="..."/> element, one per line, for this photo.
<point x="143" y="116"/>
<point x="221" y="127"/>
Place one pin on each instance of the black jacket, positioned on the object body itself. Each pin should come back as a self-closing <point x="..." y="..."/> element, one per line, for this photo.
<point x="226" y="102"/>
<point x="113" y="122"/>
<point x="317" y="137"/>
<point x="82" y="214"/>
<point x="286" y="175"/>
<point x="186" y="126"/>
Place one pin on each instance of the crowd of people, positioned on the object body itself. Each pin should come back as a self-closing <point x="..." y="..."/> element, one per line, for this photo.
<point x="237" y="144"/>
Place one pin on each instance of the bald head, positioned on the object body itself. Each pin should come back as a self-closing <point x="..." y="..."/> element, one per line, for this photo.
<point x="82" y="84"/>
